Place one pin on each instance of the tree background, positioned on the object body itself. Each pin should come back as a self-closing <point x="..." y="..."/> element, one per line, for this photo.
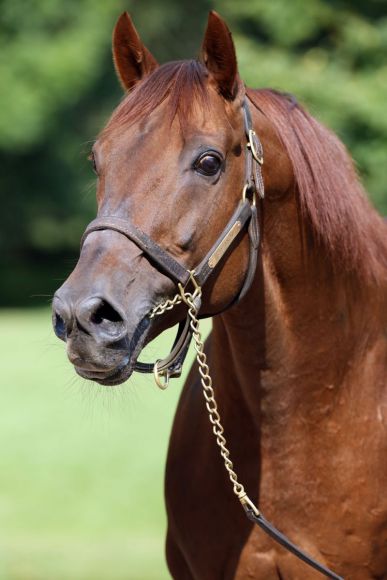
<point x="58" y="87"/>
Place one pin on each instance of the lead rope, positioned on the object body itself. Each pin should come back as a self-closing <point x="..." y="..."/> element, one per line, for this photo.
<point x="193" y="301"/>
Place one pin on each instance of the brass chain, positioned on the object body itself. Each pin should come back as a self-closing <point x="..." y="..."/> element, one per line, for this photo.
<point x="167" y="305"/>
<point x="192" y="299"/>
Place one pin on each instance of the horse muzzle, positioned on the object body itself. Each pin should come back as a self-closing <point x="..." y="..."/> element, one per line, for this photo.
<point x="102" y="343"/>
<point x="102" y="310"/>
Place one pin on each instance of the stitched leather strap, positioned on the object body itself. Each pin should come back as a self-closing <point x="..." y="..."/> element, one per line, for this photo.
<point x="164" y="260"/>
<point x="254" y="235"/>
<point x="254" y="159"/>
<point x="231" y="232"/>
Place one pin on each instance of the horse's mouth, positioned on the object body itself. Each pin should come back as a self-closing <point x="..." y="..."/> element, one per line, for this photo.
<point x="120" y="373"/>
<point x="107" y="378"/>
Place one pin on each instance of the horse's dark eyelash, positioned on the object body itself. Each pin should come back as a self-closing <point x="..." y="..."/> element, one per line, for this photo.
<point x="213" y="152"/>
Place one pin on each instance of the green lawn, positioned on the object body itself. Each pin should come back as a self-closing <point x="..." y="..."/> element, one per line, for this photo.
<point x="81" y="466"/>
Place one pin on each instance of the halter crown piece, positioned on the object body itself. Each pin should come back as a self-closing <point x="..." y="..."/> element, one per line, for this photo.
<point x="244" y="217"/>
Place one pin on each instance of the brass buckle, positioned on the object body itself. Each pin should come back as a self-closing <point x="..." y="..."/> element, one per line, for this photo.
<point x="157" y="376"/>
<point x="258" y="158"/>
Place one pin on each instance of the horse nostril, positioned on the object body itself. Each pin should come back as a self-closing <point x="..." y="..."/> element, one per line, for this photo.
<point x="105" y="312"/>
<point x="62" y="318"/>
<point x="96" y="316"/>
<point x="59" y="326"/>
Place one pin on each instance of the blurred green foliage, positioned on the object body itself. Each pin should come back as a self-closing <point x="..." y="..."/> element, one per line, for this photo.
<point x="333" y="56"/>
<point x="58" y="87"/>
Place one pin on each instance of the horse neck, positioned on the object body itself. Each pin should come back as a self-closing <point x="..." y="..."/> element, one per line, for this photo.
<point x="292" y="342"/>
<point x="312" y="325"/>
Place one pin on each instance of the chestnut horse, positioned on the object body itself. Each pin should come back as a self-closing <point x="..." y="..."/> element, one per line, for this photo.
<point x="298" y="365"/>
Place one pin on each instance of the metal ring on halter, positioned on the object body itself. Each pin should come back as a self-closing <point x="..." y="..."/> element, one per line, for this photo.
<point x="157" y="376"/>
<point x="244" y="196"/>
<point x="251" y="145"/>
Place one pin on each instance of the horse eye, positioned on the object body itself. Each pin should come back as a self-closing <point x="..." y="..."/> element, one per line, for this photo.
<point x="93" y="162"/>
<point x="208" y="164"/>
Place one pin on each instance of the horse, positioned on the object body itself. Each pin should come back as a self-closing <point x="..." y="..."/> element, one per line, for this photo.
<point x="298" y="362"/>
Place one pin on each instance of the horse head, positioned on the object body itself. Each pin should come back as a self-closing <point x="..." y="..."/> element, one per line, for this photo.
<point x="171" y="160"/>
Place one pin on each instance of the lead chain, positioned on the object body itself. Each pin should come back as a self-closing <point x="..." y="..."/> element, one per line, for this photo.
<point x="167" y="305"/>
<point x="208" y="391"/>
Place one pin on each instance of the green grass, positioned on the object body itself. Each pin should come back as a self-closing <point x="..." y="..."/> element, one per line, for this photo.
<point x="81" y="466"/>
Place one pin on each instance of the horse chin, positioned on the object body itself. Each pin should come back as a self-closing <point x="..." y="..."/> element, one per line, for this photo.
<point x="109" y="379"/>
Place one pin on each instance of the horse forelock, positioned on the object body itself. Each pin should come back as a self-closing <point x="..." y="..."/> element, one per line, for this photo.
<point x="181" y="84"/>
<point x="333" y="206"/>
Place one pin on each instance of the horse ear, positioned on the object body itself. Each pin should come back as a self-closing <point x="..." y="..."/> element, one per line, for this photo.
<point x="132" y="59"/>
<point x="218" y="54"/>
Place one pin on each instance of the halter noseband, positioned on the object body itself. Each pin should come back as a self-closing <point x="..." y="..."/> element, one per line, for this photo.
<point x="244" y="216"/>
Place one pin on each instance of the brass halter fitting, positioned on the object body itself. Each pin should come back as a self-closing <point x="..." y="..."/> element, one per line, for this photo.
<point x="251" y="145"/>
<point x="162" y="377"/>
<point x="247" y="504"/>
<point x="195" y="295"/>
<point x="158" y="377"/>
<point x="246" y="189"/>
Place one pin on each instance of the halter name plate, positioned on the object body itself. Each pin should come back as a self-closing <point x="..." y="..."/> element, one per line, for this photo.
<point x="224" y="244"/>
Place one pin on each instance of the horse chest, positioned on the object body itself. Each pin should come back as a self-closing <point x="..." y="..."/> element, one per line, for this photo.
<point x="337" y="522"/>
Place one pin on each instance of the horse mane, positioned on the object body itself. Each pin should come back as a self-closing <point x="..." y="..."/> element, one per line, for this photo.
<point x="333" y="205"/>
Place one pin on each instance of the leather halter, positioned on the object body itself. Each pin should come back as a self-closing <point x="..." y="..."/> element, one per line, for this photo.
<point x="245" y="216"/>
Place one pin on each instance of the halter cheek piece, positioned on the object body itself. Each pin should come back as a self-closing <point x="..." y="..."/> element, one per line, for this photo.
<point x="245" y="216"/>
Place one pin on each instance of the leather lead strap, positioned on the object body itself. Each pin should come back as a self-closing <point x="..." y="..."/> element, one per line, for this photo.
<point x="286" y="543"/>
